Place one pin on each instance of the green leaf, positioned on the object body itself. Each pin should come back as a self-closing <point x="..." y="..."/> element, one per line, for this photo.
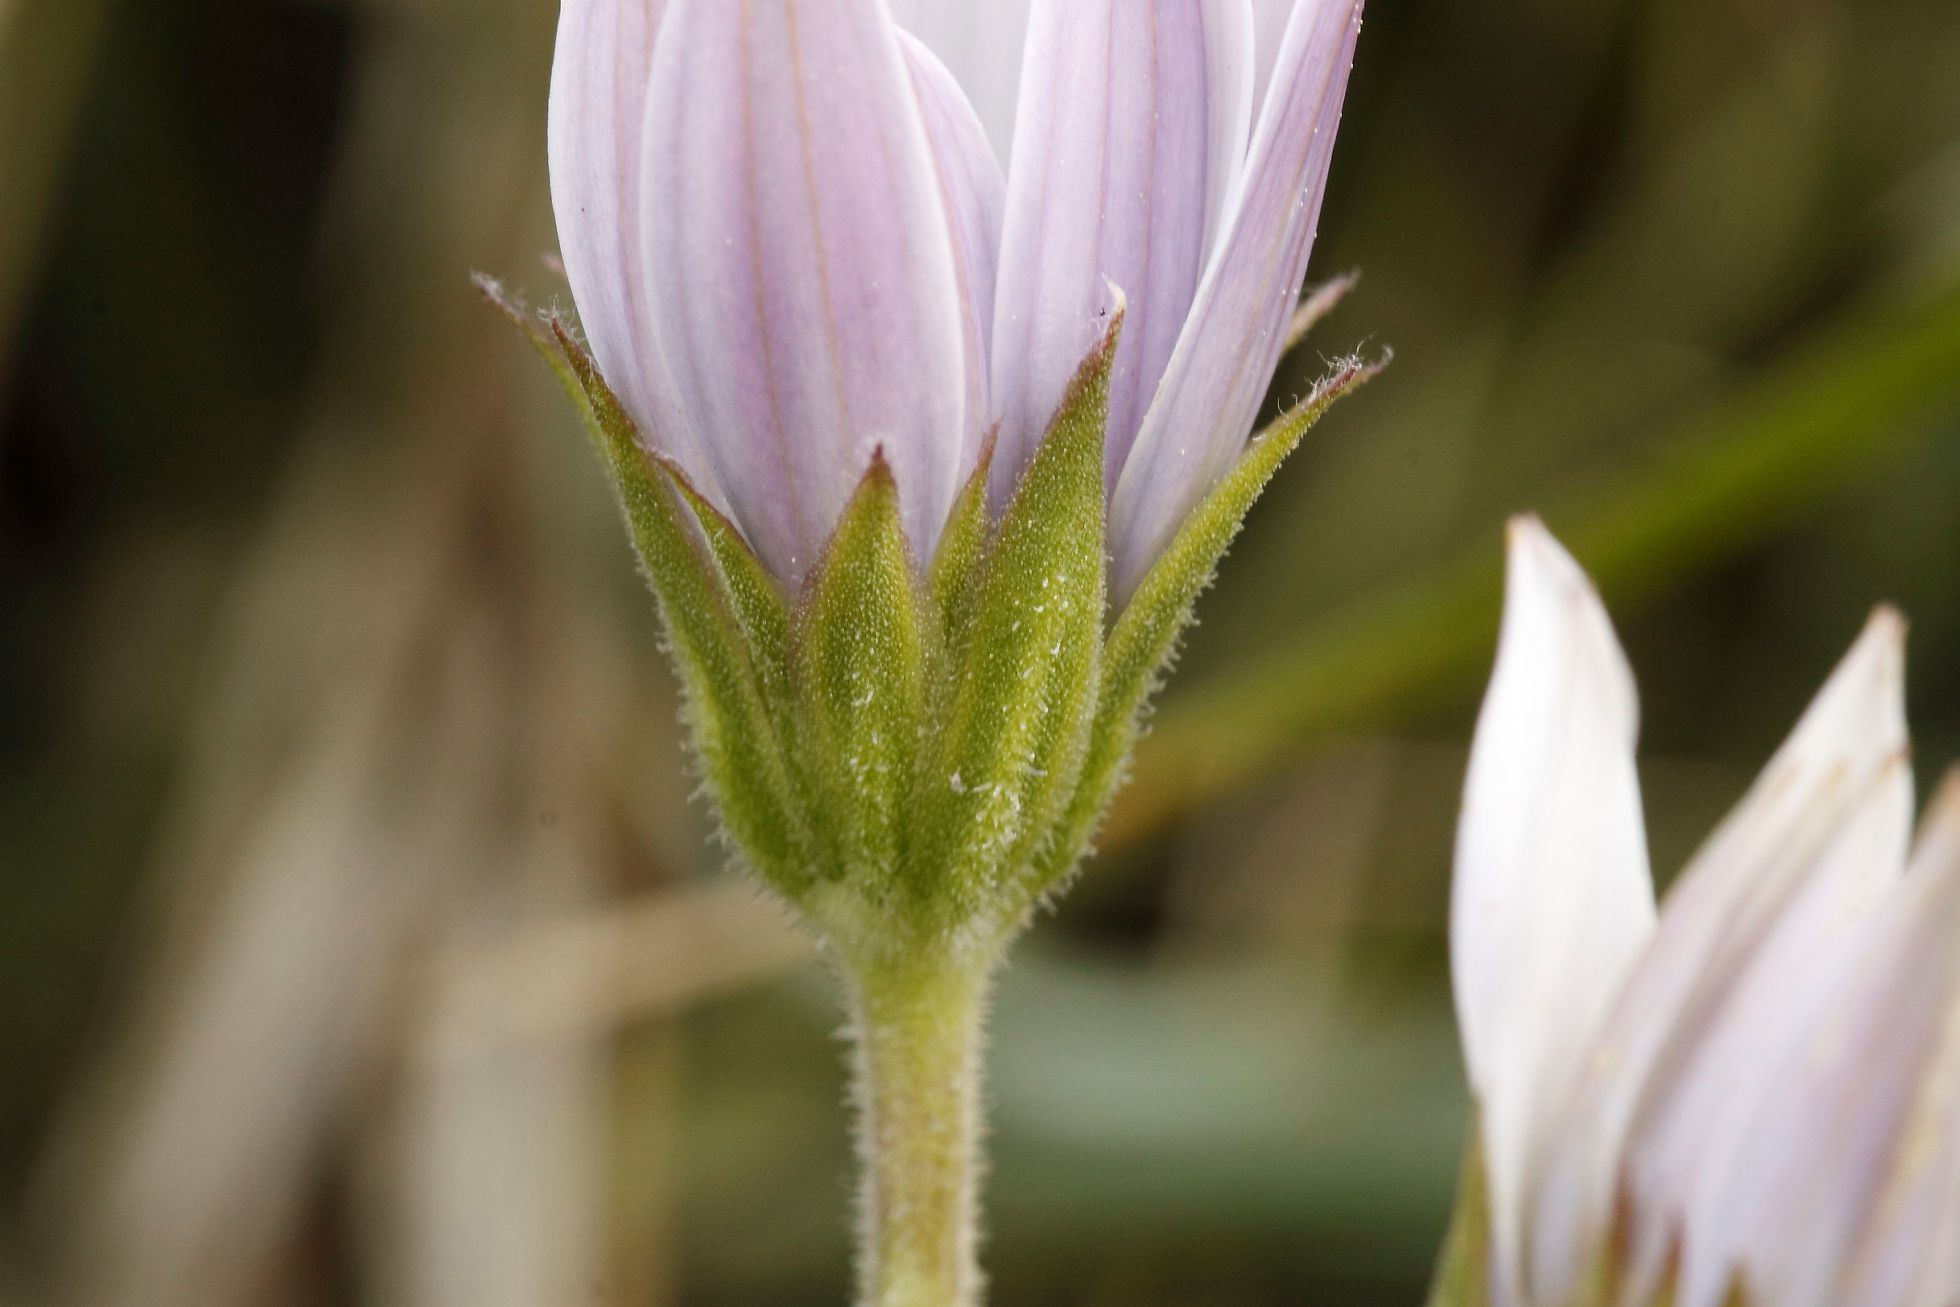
<point x="857" y="665"/>
<point x="729" y="722"/>
<point x="1012" y="737"/>
<point x="1144" y="642"/>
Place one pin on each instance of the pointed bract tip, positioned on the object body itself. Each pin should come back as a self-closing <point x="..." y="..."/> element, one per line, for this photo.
<point x="502" y="299"/>
<point x="879" y="469"/>
<point x="985" y="462"/>
<point x="1119" y="308"/>
<point x="1321" y="300"/>
<point x="1119" y="302"/>
<point x="1094" y="368"/>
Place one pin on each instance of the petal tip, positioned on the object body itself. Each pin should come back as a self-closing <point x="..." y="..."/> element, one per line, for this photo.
<point x="879" y="469"/>
<point x="1873" y="673"/>
<point x="1536" y="556"/>
<point x="1888" y="625"/>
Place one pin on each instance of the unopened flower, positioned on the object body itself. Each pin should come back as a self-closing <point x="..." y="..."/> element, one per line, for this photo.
<point x="928" y="460"/>
<point x="1753" y="1095"/>
<point x="793" y="245"/>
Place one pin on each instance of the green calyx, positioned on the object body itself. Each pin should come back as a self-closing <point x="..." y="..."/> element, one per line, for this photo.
<point x="916" y="753"/>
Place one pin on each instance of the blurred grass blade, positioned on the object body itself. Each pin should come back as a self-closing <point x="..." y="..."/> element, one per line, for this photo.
<point x="46" y="53"/>
<point x="1754" y="460"/>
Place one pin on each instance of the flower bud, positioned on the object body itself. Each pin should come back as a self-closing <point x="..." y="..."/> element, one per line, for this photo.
<point x="1749" y="1096"/>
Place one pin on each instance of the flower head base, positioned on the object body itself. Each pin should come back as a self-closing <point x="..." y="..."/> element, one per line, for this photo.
<point x="1751" y="1095"/>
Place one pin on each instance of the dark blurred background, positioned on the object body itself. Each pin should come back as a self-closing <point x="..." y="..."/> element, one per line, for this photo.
<point x="359" y="941"/>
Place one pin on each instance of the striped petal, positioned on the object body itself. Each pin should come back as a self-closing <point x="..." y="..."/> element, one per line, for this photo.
<point x="974" y="194"/>
<point x="1855" y="1144"/>
<point x="1715" y="1134"/>
<point x="1904" y="1063"/>
<point x="1199" y="421"/>
<point x="981" y="44"/>
<point x="1130" y="128"/>
<point x="599" y="78"/>
<point x="1269" y="19"/>
<point x="810" y="303"/>
<point x="1718" y="916"/>
<point x="1552" y="897"/>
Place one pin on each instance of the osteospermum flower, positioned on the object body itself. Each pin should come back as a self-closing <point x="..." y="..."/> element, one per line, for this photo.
<point x="1753" y="1095"/>
<point x="794" y="246"/>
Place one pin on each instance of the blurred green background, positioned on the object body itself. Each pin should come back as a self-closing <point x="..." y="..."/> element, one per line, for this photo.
<point x="359" y="941"/>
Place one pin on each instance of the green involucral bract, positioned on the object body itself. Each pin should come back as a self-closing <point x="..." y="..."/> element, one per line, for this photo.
<point x="1004" y="759"/>
<point x="857" y="664"/>
<point x="916" y="752"/>
<point x="1463" y="1271"/>
<point x="1143" y="644"/>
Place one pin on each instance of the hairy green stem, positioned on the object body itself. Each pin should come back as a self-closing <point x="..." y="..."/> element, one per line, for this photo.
<point x="917" y="1023"/>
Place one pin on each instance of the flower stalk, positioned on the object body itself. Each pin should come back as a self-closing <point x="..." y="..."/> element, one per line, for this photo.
<point x="916" y="1023"/>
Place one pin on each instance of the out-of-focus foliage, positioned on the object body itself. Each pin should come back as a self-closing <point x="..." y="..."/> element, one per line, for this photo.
<point x="358" y="941"/>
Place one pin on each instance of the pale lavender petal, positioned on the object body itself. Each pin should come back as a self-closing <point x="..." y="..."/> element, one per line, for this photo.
<point x="1713" y="1133"/>
<point x="1269" y="18"/>
<point x="1552" y="898"/>
<point x="1126" y="109"/>
<point x="1908" y="1253"/>
<point x="1720" y="911"/>
<point x="1231" y="67"/>
<point x="1199" y="421"/>
<point x="974" y="193"/>
<point x="810" y="302"/>
<point x="981" y="42"/>
<point x="1865" y="1108"/>
<point x="599" y="79"/>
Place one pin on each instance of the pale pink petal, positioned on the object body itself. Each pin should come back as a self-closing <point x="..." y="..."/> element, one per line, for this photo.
<point x="1719" y="914"/>
<point x="1126" y="108"/>
<point x="1201" y="416"/>
<point x="974" y="192"/>
<point x="809" y="301"/>
<point x="1269" y="19"/>
<point x="1552" y="898"/>
<point x="1713" y="1136"/>
<point x="599" y="76"/>
<point x="1903" y="1064"/>
<point x="1231" y="68"/>
<point x="1816" y="1166"/>
<point x="981" y="42"/>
